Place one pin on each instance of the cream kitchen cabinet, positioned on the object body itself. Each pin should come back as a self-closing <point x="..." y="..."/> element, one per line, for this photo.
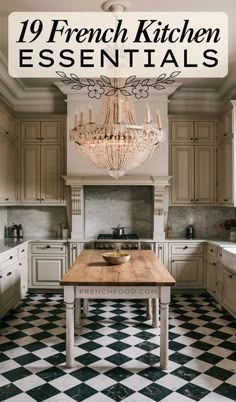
<point x="23" y="268"/>
<point x="41" y="170"/>
<point x="9" y="282"/>
<point x="7" y="123"/>
<point x="8" y="180"/>
<point x="186" y="264"/>
<point x="229" y="293"/>
<point x="40" y="132"/>
<point x="225" y="172"/>
<point x="226" y="126"/>
<point x="182" y="170"/>
<point x="204" y="174"/>
<point x="214" y="279"/>
<point x="74" y="251"/>
<point x="48" y="263"/>
<point x="189" y="132"/>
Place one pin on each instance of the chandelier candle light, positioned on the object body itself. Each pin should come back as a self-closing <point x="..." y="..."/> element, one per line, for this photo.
<point x="115" y="142"/>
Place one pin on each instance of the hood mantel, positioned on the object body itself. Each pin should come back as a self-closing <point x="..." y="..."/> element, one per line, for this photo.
<point x="76" y="183"/>
<point x="123" y="181"/>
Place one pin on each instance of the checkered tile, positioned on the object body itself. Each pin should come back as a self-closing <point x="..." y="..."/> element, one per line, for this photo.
<point x="117" y="353"/>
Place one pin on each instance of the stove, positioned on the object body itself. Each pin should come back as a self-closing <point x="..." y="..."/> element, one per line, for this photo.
<point x="124" y="242"/>
<point x="105" y="236"/>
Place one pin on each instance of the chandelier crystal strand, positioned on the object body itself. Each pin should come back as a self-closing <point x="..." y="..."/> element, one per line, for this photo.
<point x="115" y="142"/>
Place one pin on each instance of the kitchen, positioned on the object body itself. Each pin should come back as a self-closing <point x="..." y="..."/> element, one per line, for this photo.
<point x="179" y="204"/>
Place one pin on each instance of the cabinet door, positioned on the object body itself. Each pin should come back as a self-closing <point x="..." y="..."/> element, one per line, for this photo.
<point x="75" y="250"/>
<point x="225" y="179"/>
<point x="229" y="294"/>
<point x="182" y="132"/>
<point x="50" y="131"/>
<point x="47" y="271"/>
<point x="11" y="171"/>
<point x="211" y="277"/>
<point x="23" y="272"/>
<point x="204" y="132"/>
<point x="182" y="170"/>
<point x="30" y="174"/>
<point x="9" y="288"/>
<point x="187" y="271"/>
<point x="30" y="132"/>
<point x="204" y="174"/>
<point x="226" y="126"/>
<point x="51" y="171"/>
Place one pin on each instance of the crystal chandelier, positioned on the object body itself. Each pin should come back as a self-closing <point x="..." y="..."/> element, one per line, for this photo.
<point x="114" y="141"/>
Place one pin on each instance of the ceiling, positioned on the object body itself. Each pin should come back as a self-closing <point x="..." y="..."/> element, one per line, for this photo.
<point x="227" y="6"/>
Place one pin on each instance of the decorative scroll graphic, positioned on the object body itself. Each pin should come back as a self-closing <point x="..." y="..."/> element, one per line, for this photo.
<point x="76" y="200"/>
<point x="130" y="86"/>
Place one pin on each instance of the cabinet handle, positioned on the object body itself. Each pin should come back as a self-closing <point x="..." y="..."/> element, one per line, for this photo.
<point x="47" y="246"/>
<point x="0" y="276"/>
<point x="191" y="139"/>
<point x="74" y="247"/>
<point x="214" y="263"/>
<point x="160" y="247"/>
<point x="22" y="250"/>
<point x="6" y="132"/>
<point x="185" y="247"/>
<point x="226" y="199"/>
<point x="214" y="291"/>
<point x="230" y="276"/>
<point x="211" y="250"/>
<point x="225" y="134"/>
<point x="42" y="199"/>
<point x="38" y="199"/>
<point x="6" y="199"/>
<point x="11" y="256"/>
<point x="196" y="139"/>
<point x="196" y="200"/>
<point x="20" y="263"/>
<point x="42" y="138"/>
<point x="191" y="200"/>
<point x="38" y="138"/>
<point x="173" y="260"/>
<point x="9" y="273"/>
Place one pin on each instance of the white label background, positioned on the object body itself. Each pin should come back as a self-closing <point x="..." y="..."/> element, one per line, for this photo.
<point x="102" y="20"/>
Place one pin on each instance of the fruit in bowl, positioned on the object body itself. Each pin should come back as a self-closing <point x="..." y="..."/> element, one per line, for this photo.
<point x="116" y="257"/>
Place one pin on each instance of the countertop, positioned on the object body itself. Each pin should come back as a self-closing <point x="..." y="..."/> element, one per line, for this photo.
<point x="8" y="244"/>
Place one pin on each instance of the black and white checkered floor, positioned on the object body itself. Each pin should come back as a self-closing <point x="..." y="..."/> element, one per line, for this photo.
<point x="117" y="353"/>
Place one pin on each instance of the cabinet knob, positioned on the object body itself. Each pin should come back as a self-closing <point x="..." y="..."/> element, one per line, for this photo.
<point x="226" y="199"/>
<point x="10" y="258"/>
<point x="173" y="260"/>
<point x="191" y="139"/>
<point x="38" y="199"/>
<point x="160" y="247"/>
<point x="185" y="247"/>
<point x="74" y="247"/>
<point x="6" y="199"/>
<point x="38" y="138"/>
<point x="9" y="273"/>
<point x="230" y="276"/>
<point x="42" y="138"/>
<point x="214" y="291"/>
<point x="196" y="139"/>
<point x="191" y="200"/>
<point x="0" y="276"/>
<point x="214" y="263"/>
<point x="196" y="200"/>
<point x="20" y="263"/>
<point x="22" y="250"/>
<point x="211" y="250"/>
<point x="225" y="134"/>
<point x="48" y="246"/>
<point x="42" y="199"/>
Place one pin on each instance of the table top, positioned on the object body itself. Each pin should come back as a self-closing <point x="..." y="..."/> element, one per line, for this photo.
<point x="143" y="269"/>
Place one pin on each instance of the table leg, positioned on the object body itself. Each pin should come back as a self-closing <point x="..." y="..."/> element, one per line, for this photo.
<point x="77" y="312"/>
<point x="165" y="299"/>
<point x="69" y="298"/>
<point x="148" y="308"/>
<point x="85" y="307"/>
<point x="155" y="313"/>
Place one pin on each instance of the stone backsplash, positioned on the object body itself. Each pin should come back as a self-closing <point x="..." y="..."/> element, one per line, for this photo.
<point x="206" y="220"/>
<point x="37" y="221"/>
<point x="109" y="206"/>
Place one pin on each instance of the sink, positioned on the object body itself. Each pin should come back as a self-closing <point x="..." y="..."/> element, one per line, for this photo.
<point x="229" y="257"/>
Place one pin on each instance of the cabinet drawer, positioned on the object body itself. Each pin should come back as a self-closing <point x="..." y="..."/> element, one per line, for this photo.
<point x="186" y="249"/>
<point x="219" y="253"/>
<point x="212" y="250"/>
<point x="8" y="259"/>
<point x="48" y="248"/>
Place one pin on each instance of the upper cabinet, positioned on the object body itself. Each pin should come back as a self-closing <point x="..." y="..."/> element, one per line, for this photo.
<point x="225" y="160"/>
<point x="7" y="123"/>
<point x="41" y="162"/>
<point x="192" y="162"/>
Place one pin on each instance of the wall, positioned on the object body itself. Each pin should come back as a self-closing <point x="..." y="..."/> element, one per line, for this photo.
<point x="108" y="206"/>
<point x="206" y="220"/>
<point x="37" y="221"/>
<point x="3" y="221"/>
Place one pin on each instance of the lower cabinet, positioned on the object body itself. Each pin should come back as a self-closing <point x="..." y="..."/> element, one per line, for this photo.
<point x="187" y="271"/>
<point x="229" y="292"/>
<point x="48" y="263"/>
<point x="9" y="288"/>
<point x="74" y="251"/>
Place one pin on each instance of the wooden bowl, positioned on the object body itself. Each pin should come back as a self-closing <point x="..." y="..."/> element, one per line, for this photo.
<point x="116" y="258"/>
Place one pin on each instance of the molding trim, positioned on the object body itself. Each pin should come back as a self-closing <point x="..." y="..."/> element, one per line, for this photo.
<point x="157" y="181"/>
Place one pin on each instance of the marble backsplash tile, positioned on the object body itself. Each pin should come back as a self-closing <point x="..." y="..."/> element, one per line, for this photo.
<point x="109" y="206"/>
<point x="37" y="221"/>
<point x="3" y="220"/>
<point x="206" y="220"/>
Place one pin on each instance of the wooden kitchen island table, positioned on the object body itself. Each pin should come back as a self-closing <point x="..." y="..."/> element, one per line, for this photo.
<point x="143" y="277"/>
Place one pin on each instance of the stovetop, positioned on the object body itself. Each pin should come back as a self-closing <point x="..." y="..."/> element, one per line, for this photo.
<point x="130" y="236"/>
